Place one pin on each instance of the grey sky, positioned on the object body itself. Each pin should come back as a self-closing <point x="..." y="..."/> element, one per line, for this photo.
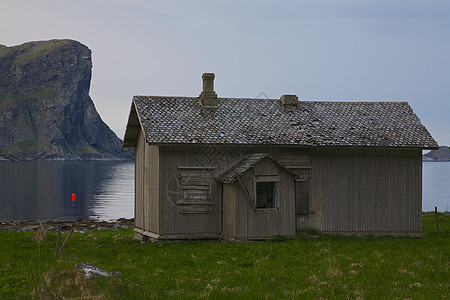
<point x="372" y="50"/>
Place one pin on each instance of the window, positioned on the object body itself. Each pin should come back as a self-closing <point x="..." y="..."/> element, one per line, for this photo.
<point x="265" y="195"/>
<point x="266" y="192"/>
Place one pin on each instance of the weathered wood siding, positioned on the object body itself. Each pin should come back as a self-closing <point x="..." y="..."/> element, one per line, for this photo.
<point x="139" y="183"/>
<point x="299" y="162"/>
<point x="346" y="191"/>
<point x="229" y="210"/>
<point x="366" y="191"/>
<point x="265" y="223"/>
<point x="178" y="219"/>
<point x="151" y="189"/>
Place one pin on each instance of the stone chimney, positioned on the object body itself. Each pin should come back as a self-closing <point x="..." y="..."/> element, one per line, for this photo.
<point x="289" y="99"/>
<point x="208" y="97"/>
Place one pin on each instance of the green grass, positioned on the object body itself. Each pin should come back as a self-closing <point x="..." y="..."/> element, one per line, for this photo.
<point x="332" y="267"/>
<point x="34" y="50"/>
<point x="5" y="51"/>
<point x="8" y="98"/>
<point x="86" y="149"/>
<point x="26" y="146"/>
<point x="11" y="97"/>
<point x="45" y="92"/>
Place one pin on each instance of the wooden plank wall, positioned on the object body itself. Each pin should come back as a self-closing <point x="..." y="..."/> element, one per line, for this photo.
<point x="175" y="223"/>
<point x="350" y="191"/>
<point x="175" y="220"/>
<point x="366" y="191"/>
<point x="151" y="189"/>
<point x="251" y="224"/>
<point x="139" y="183"/>
<point x="229" y="209"/>
<point x="299" y="161"/>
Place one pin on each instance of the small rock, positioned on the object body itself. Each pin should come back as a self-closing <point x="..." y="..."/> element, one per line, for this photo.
<point x="65" y="228"/>
<point x="116" y="226"/>
<point x="26" y="229"/>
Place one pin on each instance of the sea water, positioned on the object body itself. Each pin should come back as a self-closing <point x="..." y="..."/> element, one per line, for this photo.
<point x="43" y="190"/>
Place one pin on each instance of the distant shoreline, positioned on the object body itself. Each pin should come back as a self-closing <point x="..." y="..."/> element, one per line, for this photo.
<point x="441" y="155"/>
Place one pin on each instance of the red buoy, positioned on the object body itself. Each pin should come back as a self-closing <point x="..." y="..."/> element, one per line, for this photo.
<point x="73" y="197"/>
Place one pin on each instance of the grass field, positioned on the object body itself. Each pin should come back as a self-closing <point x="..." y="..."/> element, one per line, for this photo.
<point x="332" y="267"/>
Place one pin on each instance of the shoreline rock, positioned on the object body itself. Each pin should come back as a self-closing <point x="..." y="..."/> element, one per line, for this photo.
<point x="78" y="225"/>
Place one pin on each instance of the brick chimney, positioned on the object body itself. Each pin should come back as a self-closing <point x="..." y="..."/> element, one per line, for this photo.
<point x="208" y="97"/>
<point x="289" y="99"/>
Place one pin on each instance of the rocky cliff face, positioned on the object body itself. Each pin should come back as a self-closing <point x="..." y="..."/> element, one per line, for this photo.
<point x="46" y="112"/>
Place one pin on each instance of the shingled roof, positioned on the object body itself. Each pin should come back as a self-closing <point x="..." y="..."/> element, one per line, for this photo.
<point x="241" y="167"/>
<point x="184" y="120"/>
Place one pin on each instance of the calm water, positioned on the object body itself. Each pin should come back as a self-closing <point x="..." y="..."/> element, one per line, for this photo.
<point x="105" y="190"/>
<point x="42" y="190"/>
<point x="435" y="186"/>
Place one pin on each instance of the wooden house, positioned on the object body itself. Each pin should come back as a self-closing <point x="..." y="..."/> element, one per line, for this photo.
<point x="210" y="167"/>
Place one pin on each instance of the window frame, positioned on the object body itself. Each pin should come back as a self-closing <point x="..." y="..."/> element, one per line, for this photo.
<point x="275" y="179"/>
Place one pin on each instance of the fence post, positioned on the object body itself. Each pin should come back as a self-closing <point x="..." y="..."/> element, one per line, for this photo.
<point x="436" y="214"/>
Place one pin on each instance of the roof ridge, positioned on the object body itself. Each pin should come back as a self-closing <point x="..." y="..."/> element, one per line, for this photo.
<point x="275" y="99"/>
<point x="153" y="96"/>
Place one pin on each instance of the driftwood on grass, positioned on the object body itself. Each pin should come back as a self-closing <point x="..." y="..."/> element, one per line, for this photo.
<point x="58" y="249"/>
<point x="67" y="239"/>
<point x="58" y="241"/>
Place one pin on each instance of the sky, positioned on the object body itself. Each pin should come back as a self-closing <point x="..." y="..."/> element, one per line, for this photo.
<point x="348" y="50"/>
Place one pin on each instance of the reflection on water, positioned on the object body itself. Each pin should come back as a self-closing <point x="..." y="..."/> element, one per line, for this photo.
<point x="114" y="198"/>
<point x="42" y="190"/>
<point x="436" y="185"/>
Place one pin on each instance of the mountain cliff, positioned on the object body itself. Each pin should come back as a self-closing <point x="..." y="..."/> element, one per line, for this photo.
<point x="443" y="154"/>
<point x="46" y="112"/>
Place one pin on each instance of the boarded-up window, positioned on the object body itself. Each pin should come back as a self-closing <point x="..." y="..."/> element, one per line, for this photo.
<point x="195" y="190"/>
<point x="295" y="160"/>
<point x="300" y="163"/>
